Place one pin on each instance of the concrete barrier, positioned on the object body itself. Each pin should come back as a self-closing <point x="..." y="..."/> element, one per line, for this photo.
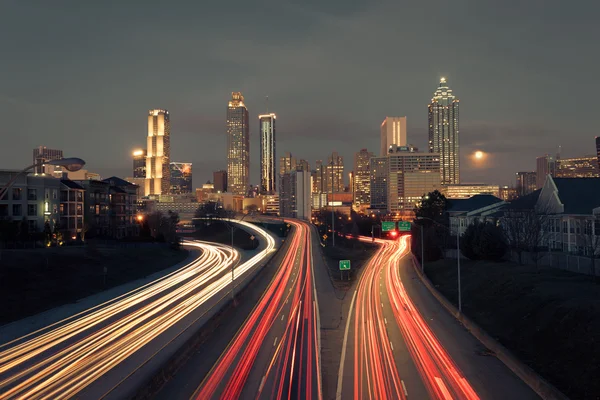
<point x="538" y="384"/>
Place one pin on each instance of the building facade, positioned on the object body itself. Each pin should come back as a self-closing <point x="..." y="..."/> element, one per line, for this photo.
<point x="220" y="181"/>
<point x="295" y="199"/>
<point x="268" y="155"/>
<point x="466" y="190"/>
<point x="287" y="163"/>
<point x="411" y="175"/>
<point x="379" y="183"/>
<point x="71" y="209"/>
<point x="598" y="150"/>
<point x="545" y="165"/>
<point x="139" y="163"/>
<point x="334" y="174"/>
<point x="158" y="157"/>
<point x="393" y="133"/>
<point x="578" y="167"/>
<point x="508" y="193"/>
<point x="181" y="177"/>
<point x="444" y="132"/>
<point x="238" y="145"/>
<point x="362" y="178"/>
<point x="526" y="183"/>
<point x="43" y="154"/>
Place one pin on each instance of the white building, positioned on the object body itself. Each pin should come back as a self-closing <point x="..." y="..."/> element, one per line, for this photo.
<point x="158" y="157"/>
<point x="393" y="133"/>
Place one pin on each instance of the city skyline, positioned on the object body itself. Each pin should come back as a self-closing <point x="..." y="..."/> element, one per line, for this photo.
<point x="40" y="105"/>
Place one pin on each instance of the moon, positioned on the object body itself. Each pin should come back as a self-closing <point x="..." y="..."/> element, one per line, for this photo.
<point x="479" y="154"/>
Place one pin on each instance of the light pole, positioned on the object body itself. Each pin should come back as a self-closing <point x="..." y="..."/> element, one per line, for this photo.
<point x="233" y="228"/>
<point x="71" y="164"/>
<point x="457" y="255"/>
<point x="332" y="209"/>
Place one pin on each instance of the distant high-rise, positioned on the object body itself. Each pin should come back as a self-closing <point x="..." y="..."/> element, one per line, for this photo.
<point x="444" y="132"/>
<point x="44" y="154"/>
<point x="220" y="181"/>
<point x="181" y="177"/>
<point x="268" y="174"/>
<point x="577" y="167"/>
<point x="598" y="149"/>
<point x="303" y="165"/>
<point x="393" y="133"/>
<point x="334" y="174"/>
<point x="139" y="163"/>
<point x="295" y="195"/>
<point x="362" y="178"/>
<point x="287" y="163"/>
<point x="379" y="182"/>
<point x="158" y="157"/>
<point x="546" y="165"/>
<point x="526" y="183"/>
<point x="238" y="145"/>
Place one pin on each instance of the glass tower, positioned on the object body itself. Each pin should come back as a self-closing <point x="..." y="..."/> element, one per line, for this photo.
<point x="444" y="132"/>
<point x="267" y="153"/>
<point x="238" y="145"/>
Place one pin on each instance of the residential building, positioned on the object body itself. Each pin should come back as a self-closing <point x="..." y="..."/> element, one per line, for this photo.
<point x="139" y="163"/>
<point x="122" y="208"/>
<point x="220" y="181"/>
<point x="444" y="132"/>
<point x="238" y="145"/>
<point x="578" y="167"/>
<point x="466" y="190"/>
<point x="334" y="174"/>
<point x="43" y="154"/>
<point x="71" y="209"/>
<point x="158" y="157"/>
<point x="362" y="178"/>
<point x="411" y="175"/>
<point x="546" y="165"/>
<point x="508" y="193"/>
<point x="393" y="133"/>
<point x="378" y="168"/>
<point x="526" y="183"/>
<point x="140" y="184"/>
<point x="268" y="155"/>
<point x="32" y="198"/>
<point x="181" y="177"/>
<point x="96" y="207"/>
<point x="481" y="207"/>
<point x="81" y="175"/>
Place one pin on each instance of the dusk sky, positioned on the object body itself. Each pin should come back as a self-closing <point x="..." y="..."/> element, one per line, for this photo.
<point x="81" y="75"/>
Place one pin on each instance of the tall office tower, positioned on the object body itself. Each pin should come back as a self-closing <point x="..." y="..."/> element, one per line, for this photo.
<point x="577" y="167"/>
<point x="238" y="145"/>
<point x="598" y="149"/>
<point x="318" y="177"/>
<point x="220" y="181"/>
<point x="334" y="174"/>
<point x="362" y="178"/>
<point x="139" y="163"/>
<point x="393" y="133"/>
<point x="268" y="174"/>
<point x="379" y="173"/>
<point x="546" y="165"/>
<point x="526" y="183"/>
<point x="444" y="132"/>
<point x="287" y="163"/>
<point x="158" y="177"/>
<point x="303" y="165"/>
<point x="411" y="175"/>
<point x="181" y="177"/>
<point x="44" y="154"/>
<point x="295" y="196"/>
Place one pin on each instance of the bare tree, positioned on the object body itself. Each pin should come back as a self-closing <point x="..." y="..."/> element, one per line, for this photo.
<point x="536" y="224"/>
<point x="591" y="240"/>
<point x="515" y="230"/>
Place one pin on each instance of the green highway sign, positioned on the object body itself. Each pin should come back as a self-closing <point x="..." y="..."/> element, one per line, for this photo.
<point x="404" y="226"/>
<point x="344" y="265"/>
<point x="387" y="226"/>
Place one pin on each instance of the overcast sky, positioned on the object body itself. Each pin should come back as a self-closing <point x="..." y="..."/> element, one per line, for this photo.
<point x="81" y="75"/>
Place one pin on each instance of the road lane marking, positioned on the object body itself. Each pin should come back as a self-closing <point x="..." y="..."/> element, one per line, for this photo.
<point x="283" y="316"/>
<point x="385" y="319"/>
<point x="275" y="342"/>
<point x="338" y="394"/>
<point x="392" y="346"/>
<point x="404" y="388"/>
<point x="381" y="304"/>
<point x="443" y="388"/>
<point x="262" y="383"/>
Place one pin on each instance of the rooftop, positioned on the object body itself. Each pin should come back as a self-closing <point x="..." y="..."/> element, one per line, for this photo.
<point x="579" y="195"/>
<point x="472" y="203"/>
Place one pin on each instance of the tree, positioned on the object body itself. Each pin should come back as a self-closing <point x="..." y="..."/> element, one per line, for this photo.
<point x="433" y="206"/>
<point x="47" y="233"/>
<point x="591" y="239"/>
<point x="251" y="208"/>
<point x="431" y="221"/>
<point x="515" y="230"/>
<point x="483" y="240"/>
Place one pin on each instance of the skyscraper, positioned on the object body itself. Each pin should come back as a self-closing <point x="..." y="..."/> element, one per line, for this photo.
<point x="598" y="149"/>
<point x="303" y="165"/>
<point x="220" y="181"/>
<point x="526" y="183"/>
<point x="287" y="163"/>
<point x="268" y="156"/>
<point x="577" y="167"/>
<point x="158" y="174"/>
<point x="44" y="154"/>
<point x="379" y="182"/>
<point x="362" y="178"/>
<point x="139" y="163"/>
<point x="334" y="174"/>
<point x="444" y="132"/>
<point x="238" y="145"/>
<point x="181" y="177"/>
<point x="546" y="165"/>
<point x="393" y="132"/>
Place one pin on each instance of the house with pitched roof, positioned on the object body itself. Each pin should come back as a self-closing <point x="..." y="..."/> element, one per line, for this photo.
<point x="482" y="207"/>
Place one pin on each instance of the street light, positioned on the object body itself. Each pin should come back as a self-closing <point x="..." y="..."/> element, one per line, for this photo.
<point x="71" y="164"/>
<point x="457" y="255"/>
<point x="233" y="228"/>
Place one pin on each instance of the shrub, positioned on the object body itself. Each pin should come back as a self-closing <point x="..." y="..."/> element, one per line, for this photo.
<point x="483" y="241"/>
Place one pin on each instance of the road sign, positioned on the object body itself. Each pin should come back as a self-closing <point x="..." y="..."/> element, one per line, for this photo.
<point x="404" y="226"/>
<point x="324" y="237"/>
<point x="252" y="237"/>
<point x="344" y="265"/>
<point x="387" y="226"/>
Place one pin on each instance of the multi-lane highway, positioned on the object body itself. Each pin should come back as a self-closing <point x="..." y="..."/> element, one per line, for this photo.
<point x="275" y="353"/>
<point x="391" y="351"/>
<point x="91" y="353"/>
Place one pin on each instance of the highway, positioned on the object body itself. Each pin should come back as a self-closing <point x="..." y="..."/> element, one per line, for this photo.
<point x="276" y="352"/>
<point x="399" y="344"/>
<point x="90" y="354"/>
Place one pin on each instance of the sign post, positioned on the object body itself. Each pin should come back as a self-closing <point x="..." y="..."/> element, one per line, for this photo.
<point x="387" y="226"/>
<point x="404" y="226"/>
<point x="344" y="266"/>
